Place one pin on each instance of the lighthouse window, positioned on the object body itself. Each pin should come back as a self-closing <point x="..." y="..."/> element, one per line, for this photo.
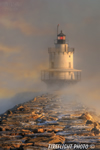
<point x="69" y="64"/>
<point x="52" y="65"/>
<point x="51" y="56"/>
<point x="52" y="74"/>
<point x="63" y="37"/>
<point x="58" y="37"/>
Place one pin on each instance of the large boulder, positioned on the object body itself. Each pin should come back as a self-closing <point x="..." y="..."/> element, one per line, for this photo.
<point x="86" y="116"/>
<point x="9" y="112"/>
<point x="20" y="108"/>
<point x="41" y="144"/>
<point x="95" y="130"/>
<point x="2" y="129"/>
<point x="35" y="99"/>
<point x="88" y="122"/>
<point x="55" y="139"/>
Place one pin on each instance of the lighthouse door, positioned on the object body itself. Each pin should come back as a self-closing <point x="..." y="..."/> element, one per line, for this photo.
<point x="69" y="64"/>
<point x="52" y="65"/>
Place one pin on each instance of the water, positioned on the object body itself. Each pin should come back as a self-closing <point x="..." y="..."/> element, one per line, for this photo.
<point x="19" y="98"/>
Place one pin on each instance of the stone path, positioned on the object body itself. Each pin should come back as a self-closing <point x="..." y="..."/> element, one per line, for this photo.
<point x="46" y="120"/>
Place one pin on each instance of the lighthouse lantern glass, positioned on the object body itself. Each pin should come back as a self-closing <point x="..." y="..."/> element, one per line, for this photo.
<point x="61" y="37"/>
<point x="58" y="37"/>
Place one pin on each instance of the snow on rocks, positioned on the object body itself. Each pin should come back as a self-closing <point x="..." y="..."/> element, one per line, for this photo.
<point x="46" y="120"/>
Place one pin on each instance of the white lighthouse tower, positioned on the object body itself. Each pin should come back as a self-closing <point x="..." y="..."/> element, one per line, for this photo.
<point x="61" y="70"/>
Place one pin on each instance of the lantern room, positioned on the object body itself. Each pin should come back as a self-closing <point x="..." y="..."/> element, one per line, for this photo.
<point x="61" y="38"/>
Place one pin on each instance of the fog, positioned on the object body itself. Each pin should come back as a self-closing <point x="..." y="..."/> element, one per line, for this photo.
<point x="28" y="28"/>
<point x="84" y="92"/>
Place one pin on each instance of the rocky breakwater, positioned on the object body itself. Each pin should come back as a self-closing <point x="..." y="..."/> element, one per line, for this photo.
<point x="46" y="120"/>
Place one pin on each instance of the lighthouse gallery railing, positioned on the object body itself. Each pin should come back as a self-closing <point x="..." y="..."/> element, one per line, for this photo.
<point x="50" y="75"/>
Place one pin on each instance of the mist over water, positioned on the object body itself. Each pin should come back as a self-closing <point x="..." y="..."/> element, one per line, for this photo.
<point x="25" y="38"/>
<point x="19" y="98"/>
<point x="85" y="92"/>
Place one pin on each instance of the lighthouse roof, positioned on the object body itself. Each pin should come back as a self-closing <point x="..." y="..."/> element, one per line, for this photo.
<point x="61" y="34"/>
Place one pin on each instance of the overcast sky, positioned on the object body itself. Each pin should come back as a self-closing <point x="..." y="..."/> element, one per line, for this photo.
<point x="28" y="28"/>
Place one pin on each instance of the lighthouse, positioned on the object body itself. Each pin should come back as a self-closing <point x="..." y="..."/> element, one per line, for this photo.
<point x="61" y="67"/>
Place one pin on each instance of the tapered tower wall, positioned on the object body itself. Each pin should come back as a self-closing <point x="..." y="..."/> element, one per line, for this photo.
<point x="60" y="57"/>
<point x="60" y="60"/>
